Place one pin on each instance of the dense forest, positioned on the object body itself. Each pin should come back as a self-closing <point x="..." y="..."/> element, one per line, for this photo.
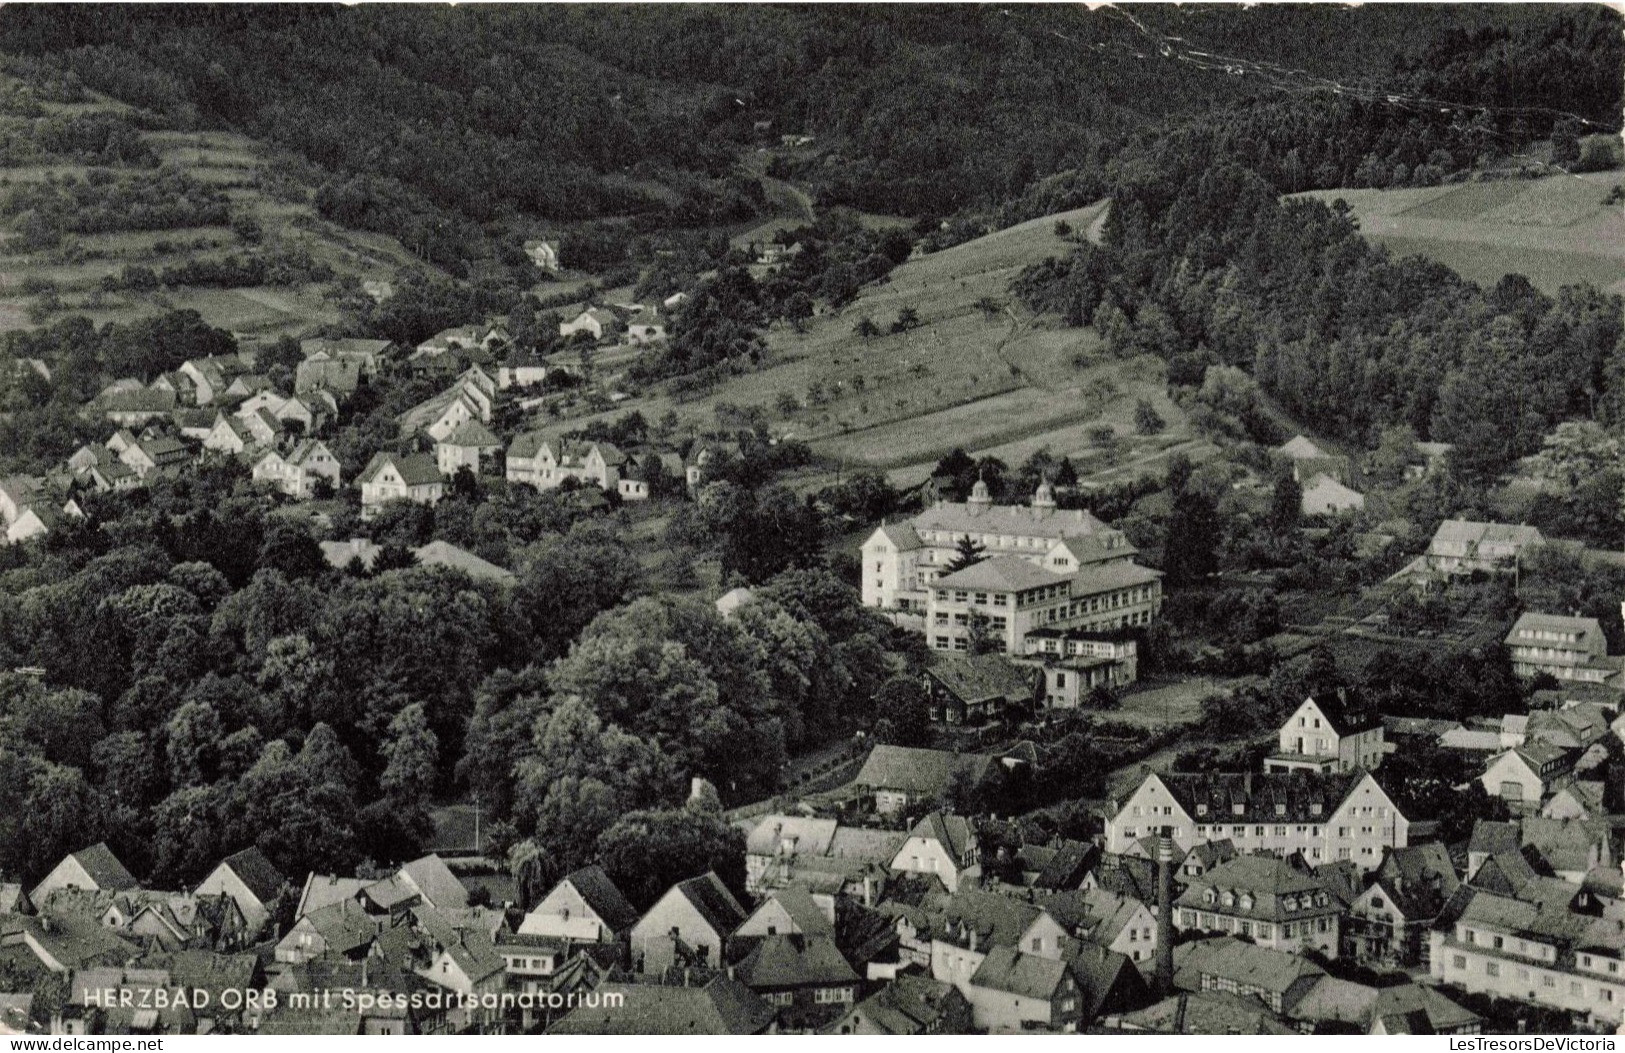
<point x="242" y="690"/>
<point x="1204" y="264"/>
<point x="445" y="126"/>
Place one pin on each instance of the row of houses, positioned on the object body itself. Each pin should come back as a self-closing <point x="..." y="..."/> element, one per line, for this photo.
<point x="456" y="424"/>
<point x="1548" y="762"/>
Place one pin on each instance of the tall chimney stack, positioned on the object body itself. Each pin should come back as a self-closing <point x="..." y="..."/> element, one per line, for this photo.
<point x="1165" y="915"/>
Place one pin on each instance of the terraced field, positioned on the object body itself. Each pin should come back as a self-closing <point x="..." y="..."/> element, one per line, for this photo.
<point x="240" y="168"/>
<point x="977" y="372"/>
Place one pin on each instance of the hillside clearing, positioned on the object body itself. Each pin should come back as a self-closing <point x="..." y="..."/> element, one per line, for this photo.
<point x="976" y="372"/>
<point x="1555" y="230"/>
<point x="227" y="161"/>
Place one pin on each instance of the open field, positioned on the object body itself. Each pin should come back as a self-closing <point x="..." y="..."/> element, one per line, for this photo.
<point x="1555" y="230"/>
<point x="1170" y="703"/>
<point x="236" y="164"/>
<point x="976" y="372"/>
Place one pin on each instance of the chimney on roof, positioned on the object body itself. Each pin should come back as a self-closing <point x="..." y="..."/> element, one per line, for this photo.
<point x="1165" y="914"/>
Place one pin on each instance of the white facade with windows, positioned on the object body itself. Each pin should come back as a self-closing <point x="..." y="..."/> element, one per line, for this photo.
<point x="1328" y="818"/>
<point x="1528" y="951"/>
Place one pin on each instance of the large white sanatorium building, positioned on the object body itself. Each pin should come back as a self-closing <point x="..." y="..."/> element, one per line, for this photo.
<point x="1044" y="569"/>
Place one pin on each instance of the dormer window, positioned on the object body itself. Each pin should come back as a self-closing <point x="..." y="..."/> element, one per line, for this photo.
<point x="1289" y="902"/>
<point x="1246" y="901"/>
<point x="1201" y="809"/>
<point x="1314" y="809"/>
<point x="1209" y="896"/>
<point x="1280" y="809"/>
<point x="1238" y="809"/>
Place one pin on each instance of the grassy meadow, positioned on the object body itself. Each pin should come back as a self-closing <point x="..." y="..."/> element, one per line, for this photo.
<point x="1555" y="230"/>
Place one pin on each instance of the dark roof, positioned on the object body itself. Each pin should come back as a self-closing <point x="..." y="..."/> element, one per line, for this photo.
<point x="344" y="926"/>
<point x="1066" y="868"/>
<point x="163" y="448"/>
<point x="193" y="418"/>
<point x="606" y="901"/>
<point x="147" y="400"/>
<point x="1507" y="873"/>
<point x="1277" y="972"/>
<point x="902" y="536"/>
<point x="918" y="771"/>
<point x="952" y="832"/>
<point x="789" y="961"/>
<point x="911" y="1005"/>
<point x="980" y="678"/>
<point x="722" y="1007"/>
<point x="1099" y="973"/>
<point x="263" y="879"/>
<point x="1345" y="716"/>
<point x="713" y="901"/>
<point x="1001" y="574"/>
<point x="472" y="433"/>
<point x="1566" y="844"/>
<point x="1419" y="878"/>
<point x="1276" y="797"/>
<point x="995" y="919"/>
<point x="418" y="469"/>
<point x="1424" y="727"/>
<point x="439" y="886"/>
<point x="104" y="868"/>
<point x="1493" y="837"/>
<point x="1269" y="881"/>
<point x="1211" y="853"/>
<point x="1130" y="876"/>
<point x="1007" y="969"/>
<point x="802" y="910"/>
<point x="1207" y="1013"/>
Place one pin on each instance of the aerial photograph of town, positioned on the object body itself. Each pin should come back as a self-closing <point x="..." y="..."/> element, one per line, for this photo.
<point x="812" y="519"/>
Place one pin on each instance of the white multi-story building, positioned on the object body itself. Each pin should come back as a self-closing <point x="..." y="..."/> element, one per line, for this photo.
<point x="1043" y="569"/>
<point x="1326" y="817"/>
<point x="1535" y="949"/>
<point x="1323" y="736"/>
<point x="546" y="464"/>
<point x="1568" y="648"/>
<point x="1462" y="546"/>
<point x="297" y="472"/>
<point x="1265" y="899"/>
